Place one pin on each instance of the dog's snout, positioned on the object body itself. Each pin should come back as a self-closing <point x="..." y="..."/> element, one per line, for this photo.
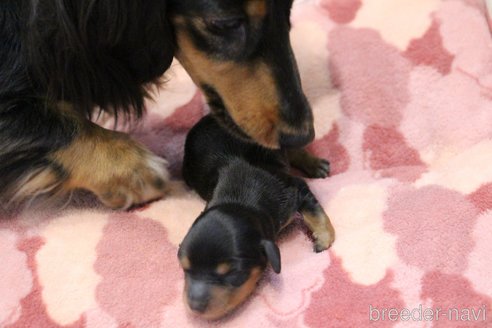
<point x="198" y="306"/>
<point x="296" y="117"/>
<point x="198" y="296"/>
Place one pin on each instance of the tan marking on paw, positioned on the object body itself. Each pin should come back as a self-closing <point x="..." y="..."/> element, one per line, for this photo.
<point x="320" y="225"/>
<point x="121" y="172"/>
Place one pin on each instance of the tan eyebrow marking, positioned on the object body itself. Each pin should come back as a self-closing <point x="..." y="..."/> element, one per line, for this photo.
<point x="223" y="268"/>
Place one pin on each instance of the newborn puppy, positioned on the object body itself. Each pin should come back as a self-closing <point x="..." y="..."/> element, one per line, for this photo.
<point x="250" y="197"/>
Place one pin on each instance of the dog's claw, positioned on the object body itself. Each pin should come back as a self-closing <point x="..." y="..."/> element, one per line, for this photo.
<point x="320" y="169"/>
<point x="321" y="174"/>
<point x="324" y="168"/>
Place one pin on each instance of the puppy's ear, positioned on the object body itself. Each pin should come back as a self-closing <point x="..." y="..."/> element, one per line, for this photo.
<point x="272" y="253"/>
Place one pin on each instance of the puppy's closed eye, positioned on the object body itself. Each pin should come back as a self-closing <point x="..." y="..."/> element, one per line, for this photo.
<point x="236" y="278"/>
<point x="224" y="25"/>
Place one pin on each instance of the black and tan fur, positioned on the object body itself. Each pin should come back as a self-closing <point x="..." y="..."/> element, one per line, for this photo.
<point x="250" y="198"/>
<point x="60" y="59"/>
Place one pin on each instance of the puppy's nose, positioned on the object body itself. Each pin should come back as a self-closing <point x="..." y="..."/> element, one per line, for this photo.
<point x="197" y="306"/>
<point x="198" y="296"/>
<point x="289" y="140"/>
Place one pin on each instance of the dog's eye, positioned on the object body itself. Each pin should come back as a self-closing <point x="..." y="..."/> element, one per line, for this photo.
<point x="224" y="24"/>
<point x="236" y="278"/>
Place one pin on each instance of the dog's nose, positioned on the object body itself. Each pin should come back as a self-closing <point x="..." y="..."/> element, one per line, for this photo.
<point x="289" y="140"/>
<point x="198" y="306"/>
<point x="198" y="296"/>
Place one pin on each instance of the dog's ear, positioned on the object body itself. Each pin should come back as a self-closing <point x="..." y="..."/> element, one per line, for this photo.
<point x="273" y="254"/>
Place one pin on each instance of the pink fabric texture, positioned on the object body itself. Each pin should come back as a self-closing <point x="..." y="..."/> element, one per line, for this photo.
<point x="402" y="97"/>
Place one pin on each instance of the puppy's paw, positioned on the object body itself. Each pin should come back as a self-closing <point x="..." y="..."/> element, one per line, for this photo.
<point x="312" y="166"/>
<point x="317" y="168"/>
<point x="118" y="170"/>
<point x="323" y="241"/>
<point x="320" y="225"/>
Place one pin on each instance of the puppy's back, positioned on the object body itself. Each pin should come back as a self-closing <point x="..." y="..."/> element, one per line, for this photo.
<point x="205" y="150"/>
<point x="242" y="183"/>
<point x="209" y="147"/>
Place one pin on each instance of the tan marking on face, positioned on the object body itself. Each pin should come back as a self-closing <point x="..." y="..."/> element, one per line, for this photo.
<point x="256" y="8"/>
<point x="185" y="263"/>
<point x="225" y="299"/>
<point x="320" y="225"/>
<point x="247" y="90"/>
<point x="223" y="268"/>
<point x="246" y="289"/>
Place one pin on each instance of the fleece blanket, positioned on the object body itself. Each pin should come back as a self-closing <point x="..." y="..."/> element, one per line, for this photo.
<point x="402" y="97"/>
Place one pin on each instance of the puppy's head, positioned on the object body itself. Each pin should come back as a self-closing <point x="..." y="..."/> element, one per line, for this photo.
<point x="239" y="53"/>
<point x="223" y="257"/>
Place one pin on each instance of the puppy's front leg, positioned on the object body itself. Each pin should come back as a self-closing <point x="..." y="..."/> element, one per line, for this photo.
<point x="310" y="165"/>
<point x="320" y="225"/>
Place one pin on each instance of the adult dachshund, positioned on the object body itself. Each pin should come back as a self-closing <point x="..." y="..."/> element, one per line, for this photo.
<point x="62" y="59"/>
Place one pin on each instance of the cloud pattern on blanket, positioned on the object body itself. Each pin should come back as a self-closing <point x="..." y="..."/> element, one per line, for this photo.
<point x="402" y="97"/>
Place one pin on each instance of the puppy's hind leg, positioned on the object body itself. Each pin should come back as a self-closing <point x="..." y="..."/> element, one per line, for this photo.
<point x="310" y="165"/>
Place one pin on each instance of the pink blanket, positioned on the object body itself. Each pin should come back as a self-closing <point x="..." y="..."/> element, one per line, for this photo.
<point x="402" y="97"/>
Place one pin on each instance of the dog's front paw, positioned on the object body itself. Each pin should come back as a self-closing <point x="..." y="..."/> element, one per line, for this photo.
<point x="119" y="171"/>
<point x="142" y="181"/>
